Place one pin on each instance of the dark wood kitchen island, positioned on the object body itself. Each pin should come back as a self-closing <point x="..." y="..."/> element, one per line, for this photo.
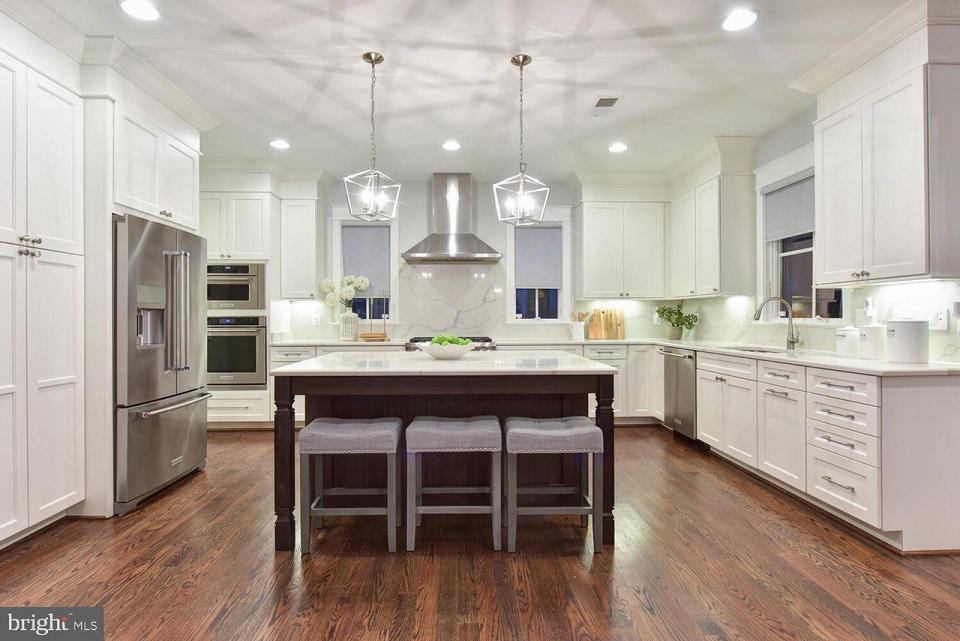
<point x="410" y="384"/>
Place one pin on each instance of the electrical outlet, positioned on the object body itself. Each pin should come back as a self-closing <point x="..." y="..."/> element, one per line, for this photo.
<point x="656" y="319"/>
<point x="316" y="320"/>
<point x="940" y="321"/>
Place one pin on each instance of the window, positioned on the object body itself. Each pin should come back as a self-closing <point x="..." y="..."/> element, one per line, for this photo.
<point x="788" y="227"/>
<point x="538" y="271"/>
<point x="366" y="252"/>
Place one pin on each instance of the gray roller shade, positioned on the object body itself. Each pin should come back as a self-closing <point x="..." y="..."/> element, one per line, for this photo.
<point x="539" y="257"/>
<point x="366" y="252"/>
<point x="788" y="211"/>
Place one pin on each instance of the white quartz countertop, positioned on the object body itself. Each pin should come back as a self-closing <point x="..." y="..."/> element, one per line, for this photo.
<point x="363" y="363"/>
<point x="809" y="358"/>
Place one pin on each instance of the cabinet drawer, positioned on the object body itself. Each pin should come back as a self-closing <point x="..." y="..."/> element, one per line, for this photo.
<point x="292" y="354"/>
<point x="239" y="406"/>
<point x="570" y="349"/>
<point x="852" y="416"/>
<point x="845" y="385"/>
<point x="847" y="485"/>
<point x="847" y="443"/>
<point x="605" y="352"/>
<point x="785" y="374"/>
<point x="732" y="365"/>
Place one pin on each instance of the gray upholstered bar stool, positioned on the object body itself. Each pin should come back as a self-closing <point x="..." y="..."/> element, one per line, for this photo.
<point x="439" y="435"/>
<point x="568" y="435"/>
<point x="332" y="436"/>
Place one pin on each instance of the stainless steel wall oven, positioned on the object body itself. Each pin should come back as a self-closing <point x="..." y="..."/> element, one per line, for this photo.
<point x="237" y="350"/>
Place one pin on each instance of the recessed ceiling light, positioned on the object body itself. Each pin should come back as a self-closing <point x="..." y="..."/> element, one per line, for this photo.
<point x="617" y="148"/>
<point x="451" y="145"/>
<point x="141" y="9"/>
<point x="280" y="143"/>
<point x="740" y="19"/>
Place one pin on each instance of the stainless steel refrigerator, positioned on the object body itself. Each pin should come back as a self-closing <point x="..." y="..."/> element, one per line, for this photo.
<point x="160" y="357"/>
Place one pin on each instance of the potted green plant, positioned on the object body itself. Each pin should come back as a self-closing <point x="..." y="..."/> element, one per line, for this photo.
<point x="677" y="320"/>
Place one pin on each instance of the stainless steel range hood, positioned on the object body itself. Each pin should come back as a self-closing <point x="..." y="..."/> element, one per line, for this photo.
<point x="451" y="238"/>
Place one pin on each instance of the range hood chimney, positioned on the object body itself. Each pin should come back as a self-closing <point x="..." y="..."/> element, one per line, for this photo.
<point x="451" y="238"/>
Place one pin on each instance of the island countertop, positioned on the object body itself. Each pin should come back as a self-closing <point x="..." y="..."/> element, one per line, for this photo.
<point x="477" y="363"/>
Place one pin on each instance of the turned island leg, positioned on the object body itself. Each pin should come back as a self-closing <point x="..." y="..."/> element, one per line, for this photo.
<point x="283" y="464"/>
<point x="605" y="423"/>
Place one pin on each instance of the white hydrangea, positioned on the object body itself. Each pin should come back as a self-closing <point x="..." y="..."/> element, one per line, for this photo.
<point x="349" y="280"/>
<point x="327" y="286"/>
<point x="331" y="299"/>
<point x="347" y="292"/>
<point x="362" y="283"/>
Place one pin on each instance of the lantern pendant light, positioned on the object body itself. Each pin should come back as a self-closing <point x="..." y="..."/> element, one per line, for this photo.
<point x="371" y="194"/>
<point x="521" y="199"/>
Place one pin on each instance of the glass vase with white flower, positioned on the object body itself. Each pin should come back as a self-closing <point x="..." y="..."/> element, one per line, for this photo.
<point x="341" y="298"/>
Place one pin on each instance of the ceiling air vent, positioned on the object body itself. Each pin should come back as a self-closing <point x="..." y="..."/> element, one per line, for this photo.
<point x="603" y="106"/>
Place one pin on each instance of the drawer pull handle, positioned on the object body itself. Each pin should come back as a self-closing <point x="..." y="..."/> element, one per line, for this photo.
<point x="719" y="379"/>
<point x="849" y="417"/>
<point x="830" y="439"/>
<point x="829" y="480"/>
<point x="778" y="375"/>
<point x="839" y="386"/>
<point x="776" y="392"/>
<point x="231" y="407"/>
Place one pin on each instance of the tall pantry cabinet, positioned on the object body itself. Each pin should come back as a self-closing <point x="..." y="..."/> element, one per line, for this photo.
<point x="41" y="292"/>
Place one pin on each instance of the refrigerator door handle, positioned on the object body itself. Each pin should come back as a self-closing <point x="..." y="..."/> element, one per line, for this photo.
<point x="171" y="318"/>
<point x="184" y="311"/>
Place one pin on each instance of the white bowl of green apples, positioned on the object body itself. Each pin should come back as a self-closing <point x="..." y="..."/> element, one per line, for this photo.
<point x="446" y="347"/>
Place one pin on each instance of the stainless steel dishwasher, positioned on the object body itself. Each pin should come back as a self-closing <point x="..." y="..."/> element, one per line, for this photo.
<point x="680" y="390"/>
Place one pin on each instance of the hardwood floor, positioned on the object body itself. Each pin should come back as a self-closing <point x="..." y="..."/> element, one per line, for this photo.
<point x="703" y="552"/>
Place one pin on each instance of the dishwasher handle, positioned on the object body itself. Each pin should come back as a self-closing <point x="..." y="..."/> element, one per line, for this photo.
<point x="676" y="355"/>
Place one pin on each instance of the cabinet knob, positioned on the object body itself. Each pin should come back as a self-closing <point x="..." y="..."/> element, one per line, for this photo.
<point x="26" y="239"/>
<point x="35" y="253"/>
<point x="864" y="274"/>
<point x="715" y="289"/>
<point x="692" y="292"/>
<point x="627" y="294"/>
<point x="23" y="252"/>
<point x="855" y="274"/>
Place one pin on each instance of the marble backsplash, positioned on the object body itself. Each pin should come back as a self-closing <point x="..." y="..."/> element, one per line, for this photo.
<point x="470" y="300"/>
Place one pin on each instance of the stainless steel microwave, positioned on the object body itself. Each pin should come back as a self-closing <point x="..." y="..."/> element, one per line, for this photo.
<point x="235" y="286"/>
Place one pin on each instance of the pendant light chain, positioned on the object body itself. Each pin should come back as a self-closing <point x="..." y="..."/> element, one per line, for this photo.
<point x="523" y="165"/>
<point x="373" y="121"/>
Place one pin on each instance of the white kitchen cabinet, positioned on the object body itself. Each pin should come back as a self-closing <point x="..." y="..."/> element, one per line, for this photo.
<point x="656" y="381"/>
<point x="894" y="179"/>
<point x="614" y="356"/>
<point x="727" y="415"/>
<point x="229" y="406"/>
<point x="781" y="424"/>
<point x="683" y="251"/>
<point x="600" y="250"/>
<point x="838" y="249"/>
<point x="13" y="150"/>
<point x="137" y="159"/>
<point x="740" y="419"/>
<point x="707" y="234"/>
<point x="54" y="169"/>
<point x="180" y="183"/>
<point x="298" y="253"/>
<point x="55" y="441"/>
<point x="712" y="239"/>
<point x="236" y="226"/>
<point x="619" y="250"/>
<point x="14" y="515"/>
<point x="154" y="172"/>
<point x="643" y="250"/>
<point x="885" y="188"/>
<point x="710" y="408"/>
<point x="640" y="396"/>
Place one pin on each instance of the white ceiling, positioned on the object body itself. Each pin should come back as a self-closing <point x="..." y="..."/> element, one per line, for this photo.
<point x="292" y="69"/>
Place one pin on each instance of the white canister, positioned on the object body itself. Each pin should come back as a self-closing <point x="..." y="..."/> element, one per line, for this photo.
<point x="872" y="342"/>
<point x="908" y="341"/>
<point x="578" y="330"/>
<point x="848" y="342"/>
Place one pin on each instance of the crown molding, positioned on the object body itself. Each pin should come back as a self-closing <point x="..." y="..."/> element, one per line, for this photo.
<point x="904" y="21"/>
<point x="114" y="54"/>
<point x="47" y="24"/>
